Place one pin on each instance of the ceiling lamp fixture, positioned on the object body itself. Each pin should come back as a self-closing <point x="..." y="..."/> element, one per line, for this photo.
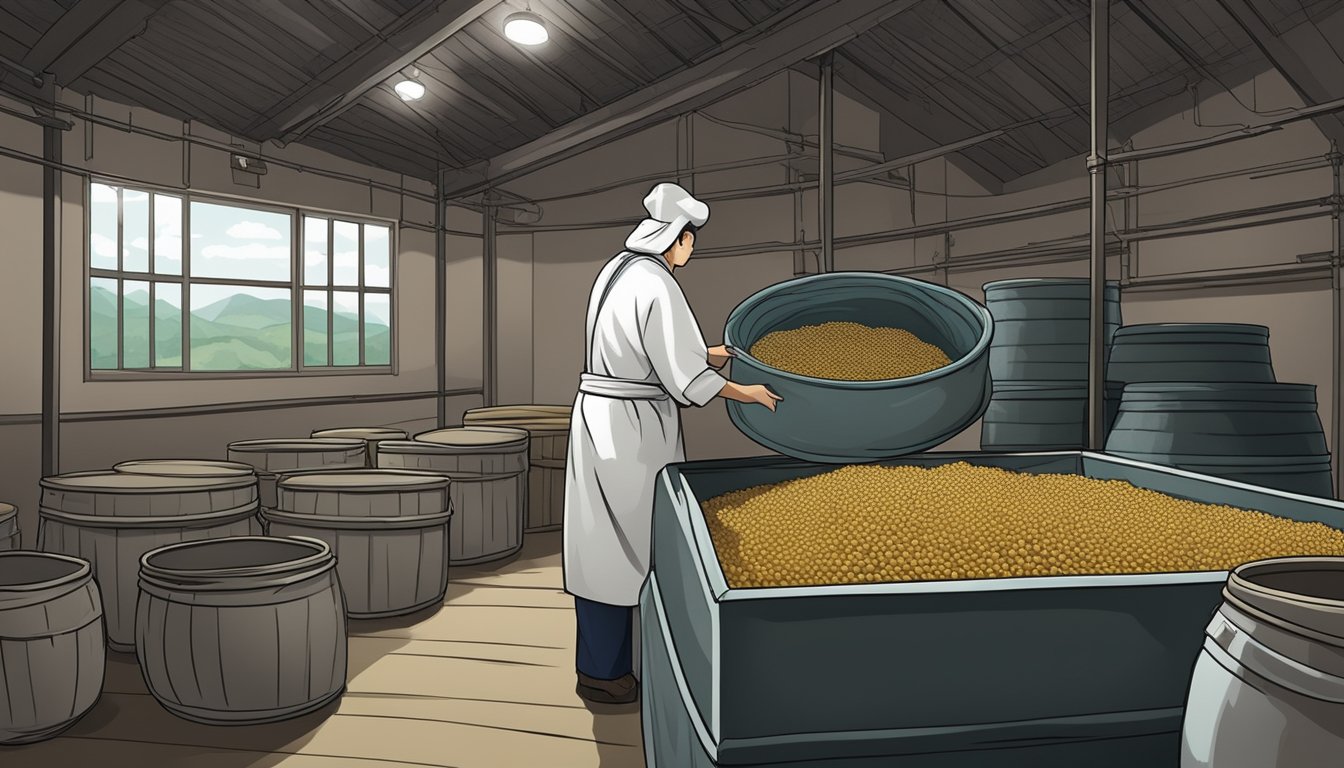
<point x="525" y="28"/>
<point x="410" y="89"/>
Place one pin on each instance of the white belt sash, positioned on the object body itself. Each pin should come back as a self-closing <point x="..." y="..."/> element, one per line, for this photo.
<point x="620" y="389"/>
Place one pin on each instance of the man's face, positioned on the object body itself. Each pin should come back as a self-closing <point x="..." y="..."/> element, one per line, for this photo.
<point x="681" y="250"/>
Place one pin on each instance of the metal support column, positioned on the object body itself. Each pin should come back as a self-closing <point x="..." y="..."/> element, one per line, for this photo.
<point x="51" y="301"/>
<point x="440" y="302"/>
<point x="490" y="284"/>
<point x="826" y="195"/>
<point x="1336" y="255"/>
<point x="1096" y="166"/>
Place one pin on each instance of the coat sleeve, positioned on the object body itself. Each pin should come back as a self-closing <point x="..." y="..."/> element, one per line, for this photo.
<point x="674" y="345"/>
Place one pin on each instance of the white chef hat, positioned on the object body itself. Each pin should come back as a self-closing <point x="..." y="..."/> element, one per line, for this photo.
<point x="670" y="209"/>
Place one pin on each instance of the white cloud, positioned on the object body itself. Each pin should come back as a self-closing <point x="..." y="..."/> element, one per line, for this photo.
<point x="346" y="302"/>
<point x="141" y="242"/>
<point x="103" y="246"/>
<point x="131" y="196"/>
<point x="169" y="248"/>
<point x="249" y="252"/>
<point x="101" y="193"/>
<point x="377" y="276"/>
<point x="253" y="230"/>
<point x="315" y="230"/>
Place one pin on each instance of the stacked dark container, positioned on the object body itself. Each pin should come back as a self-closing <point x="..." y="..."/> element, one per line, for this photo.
<point x="1038" y="361"/>
<point x="1203" y="397"/>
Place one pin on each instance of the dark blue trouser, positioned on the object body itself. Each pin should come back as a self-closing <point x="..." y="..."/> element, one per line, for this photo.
<point x="604" y="639"/>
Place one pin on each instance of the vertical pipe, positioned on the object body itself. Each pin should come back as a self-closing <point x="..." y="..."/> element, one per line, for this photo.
<point x="489" y="384"/>
<point x="826" y="195"/>
<point x="1096" y="165"/>
<point x="440" y="302"/>
<point x="51" y="302"/>
<point x="1336" y="254"/>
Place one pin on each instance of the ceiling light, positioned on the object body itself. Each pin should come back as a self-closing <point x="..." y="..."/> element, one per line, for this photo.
<point x="525" y="28"/>
<point x="409" y="90"/>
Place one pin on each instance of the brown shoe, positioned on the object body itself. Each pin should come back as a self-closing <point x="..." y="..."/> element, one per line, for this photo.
<point x="622" y="690"/>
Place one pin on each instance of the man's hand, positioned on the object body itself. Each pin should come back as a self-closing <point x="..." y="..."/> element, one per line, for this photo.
<point x="719" y="356"/>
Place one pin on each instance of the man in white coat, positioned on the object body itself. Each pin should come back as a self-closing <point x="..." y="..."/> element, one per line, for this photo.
<point x="645" y="359"/>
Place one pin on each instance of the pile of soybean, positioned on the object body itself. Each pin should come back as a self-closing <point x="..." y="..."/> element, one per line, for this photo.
<point x="844" y="351"/>
<point x="867" y="523"/>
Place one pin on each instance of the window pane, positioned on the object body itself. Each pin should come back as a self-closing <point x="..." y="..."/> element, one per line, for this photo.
<point x="345" y="250"/>
<point x="135" y="231"/>
<point x="167" y="235"/>
<point x="239" y="243"/>
<point x="167" y="325"/>
<point x="345" y="328"/>
<point x="377" y="329"/>
<point x="102" y="324"/>
<point x="134" y="324"/>
<point x="315" y="328"/>
<point x="376" y="243"/>
<point x="315" y="251"/>
<point x="240" y="328"/>
<point x="102" y="227"/>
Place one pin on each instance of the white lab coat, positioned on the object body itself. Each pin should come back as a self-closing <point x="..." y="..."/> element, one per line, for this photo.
<point x="645" y="358"/>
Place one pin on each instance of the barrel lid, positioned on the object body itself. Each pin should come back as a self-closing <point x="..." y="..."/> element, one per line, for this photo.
<point x="471" y="436"/>
<point x="364" y="481"/>
<point x="7" y="510"/>
<point x="111" y="481"/>
<point x="296" y="445"/>
<point x="519" y="411"/>
<point x="1042" y="282"/>
<point x="534" y="424"/>
<point x="1248" y="329"/>
<point x="185" y="468"/>
<point x="1044" y="390"/>
<point x="362" y="433"/>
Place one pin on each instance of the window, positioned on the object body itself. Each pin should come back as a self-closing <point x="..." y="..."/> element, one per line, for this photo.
<point x="249" y="288"/>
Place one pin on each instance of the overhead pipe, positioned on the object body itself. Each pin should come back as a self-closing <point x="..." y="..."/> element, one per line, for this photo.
<point x="1149" y="153"/>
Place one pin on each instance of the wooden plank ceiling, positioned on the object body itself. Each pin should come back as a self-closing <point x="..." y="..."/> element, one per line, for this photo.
<point x="946" y="69"/>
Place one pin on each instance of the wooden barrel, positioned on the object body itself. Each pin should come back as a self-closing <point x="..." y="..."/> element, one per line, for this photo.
<point x="51" y="644"/>
<point x="272" y="456"/>
<point x="1041" y="416"/>
<point x="246" y="629"/>
<point x="1268" y="687"/>
<point x="1042" y="328"/>
<point x="9" y="527"/>
<point x="488" y="467"/>
<point x="112" y="518"/>
<point x="548" y="428"/>
<point x="1266" y="434"/>
<point x="388" y="528"/>
<point x="371" y="436"/>
<point x="1167" y="352"/>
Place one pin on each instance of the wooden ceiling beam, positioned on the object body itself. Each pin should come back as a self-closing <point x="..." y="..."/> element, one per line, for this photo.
<point x="344" y="82"/>
<point x="801" y="31"/>
<point x="1304" y="57"/>
<point x="86" y="34"/>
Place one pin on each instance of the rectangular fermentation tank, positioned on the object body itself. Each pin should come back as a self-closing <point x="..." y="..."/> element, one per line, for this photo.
<point x="848" y="674"/>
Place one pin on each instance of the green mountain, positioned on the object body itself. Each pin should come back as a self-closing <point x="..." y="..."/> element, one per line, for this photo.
<point x="235" y="334"/>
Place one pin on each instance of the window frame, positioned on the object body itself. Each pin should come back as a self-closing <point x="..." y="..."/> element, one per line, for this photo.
<point x="296" y="286"/>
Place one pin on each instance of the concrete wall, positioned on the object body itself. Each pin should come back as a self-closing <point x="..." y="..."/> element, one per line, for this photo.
<point x="557" y="268"/>
<point x="109" y="421"/>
